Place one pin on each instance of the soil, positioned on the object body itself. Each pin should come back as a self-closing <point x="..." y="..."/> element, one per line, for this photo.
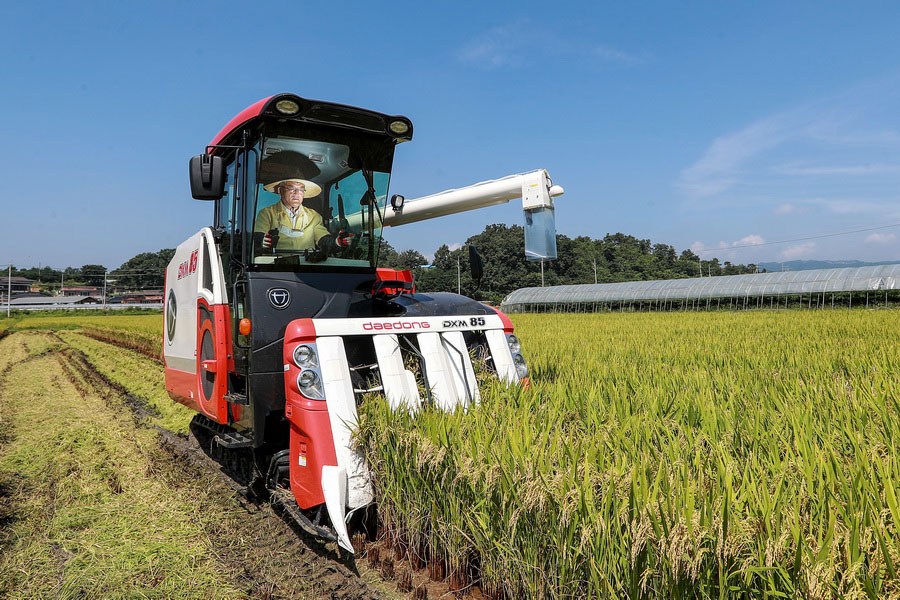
<point x="262" y="553"/>
<point x="269" y="555"/>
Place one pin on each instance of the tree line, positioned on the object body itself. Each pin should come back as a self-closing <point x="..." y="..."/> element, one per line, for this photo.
<point x="143" y="271"/>
<point x="613" y="258"/>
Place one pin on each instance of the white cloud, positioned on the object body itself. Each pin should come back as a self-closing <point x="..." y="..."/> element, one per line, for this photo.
<point x="498" y="46"/>
<point x="798" y="251"/>
<point x="750" y="240"/>
<point x="881" y="238"/>
<point x="617" y="56"/>
<point x="873" y="169"/>
<point x="787" y="209"/>
<point x="853" y="206"/>
<point x="835" y="136"/>
<point x="840" y="206"/>
<point x="455" y="246"/>
<point x="511" y="44"/>
<point x="883" y="137"/>
<point x="719" y="167"/>
<point x="747" y="240"/>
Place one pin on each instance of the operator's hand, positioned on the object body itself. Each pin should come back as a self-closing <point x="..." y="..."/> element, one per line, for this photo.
<point x="344" y="238"/>
<point x="270" y="240"/>
<point x="317" y="256"/>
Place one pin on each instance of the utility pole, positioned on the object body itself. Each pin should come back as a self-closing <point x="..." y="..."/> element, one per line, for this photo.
<point x="595" y="270"/>
<point x="8" y="289"/>
<point x="104" y="288"/>
<point x="542" y="272"/>
<point x="458" y="276"/>
<point x="62" y="280"/>
<point x="700" y="264"/>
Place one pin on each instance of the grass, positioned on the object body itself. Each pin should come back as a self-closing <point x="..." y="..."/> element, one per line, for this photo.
<point x="140" y="332"/>
<point x="723" y="455"/>
<point x="88" y="512"/>
<point x="664" y="456"/>
<point x="138" y="374"/>
<point x="97" y="502"/>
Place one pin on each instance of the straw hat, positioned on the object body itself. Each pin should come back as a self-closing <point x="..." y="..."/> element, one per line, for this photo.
<point x="312" y="188"/>
<point x="288" y="166"/>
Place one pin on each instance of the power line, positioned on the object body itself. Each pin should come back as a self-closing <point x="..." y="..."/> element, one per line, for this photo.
<point x="22" y="267"/>
<point x="800" y="239"/>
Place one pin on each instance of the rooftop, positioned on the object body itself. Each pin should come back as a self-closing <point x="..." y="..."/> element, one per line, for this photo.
<point x="53" y="300"/>
<point x="856" y="279"/>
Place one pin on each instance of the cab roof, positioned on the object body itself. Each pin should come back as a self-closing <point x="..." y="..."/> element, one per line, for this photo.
<point x="317" y="111"/>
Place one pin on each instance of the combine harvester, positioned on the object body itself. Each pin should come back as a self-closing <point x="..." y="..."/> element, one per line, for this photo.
<point x="276" y="323"/>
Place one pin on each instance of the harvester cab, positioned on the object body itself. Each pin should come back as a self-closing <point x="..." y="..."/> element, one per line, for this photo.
<point x="278" y="320"/>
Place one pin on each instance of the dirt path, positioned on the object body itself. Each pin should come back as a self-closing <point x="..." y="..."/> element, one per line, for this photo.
<point x="236" y="548"/>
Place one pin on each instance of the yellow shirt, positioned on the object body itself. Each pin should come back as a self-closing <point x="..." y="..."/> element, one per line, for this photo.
<point x="302" y="232"/>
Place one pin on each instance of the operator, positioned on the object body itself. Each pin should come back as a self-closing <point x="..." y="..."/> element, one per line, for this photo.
<point x="288" y="225"/>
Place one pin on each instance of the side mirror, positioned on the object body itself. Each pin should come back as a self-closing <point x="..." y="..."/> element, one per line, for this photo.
<point x="476" y="265"/>
<point x="207" y="173"/>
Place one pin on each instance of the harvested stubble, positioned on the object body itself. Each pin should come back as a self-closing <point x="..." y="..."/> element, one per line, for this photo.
<point x="664" y="456"/>
<point x="142" y="333"/>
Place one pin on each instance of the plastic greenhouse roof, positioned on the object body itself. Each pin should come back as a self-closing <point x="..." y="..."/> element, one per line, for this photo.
<point x="856" y="279"/>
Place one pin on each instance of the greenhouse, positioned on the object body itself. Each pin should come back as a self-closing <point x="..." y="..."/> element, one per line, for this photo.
<point x="819" y="288"/>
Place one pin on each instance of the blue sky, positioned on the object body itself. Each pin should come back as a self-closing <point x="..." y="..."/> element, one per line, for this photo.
<point x="717" y="126"/>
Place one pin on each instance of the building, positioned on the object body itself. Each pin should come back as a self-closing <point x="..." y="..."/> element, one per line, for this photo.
<point x="144" y="297"/>
<point x="30" y="295"/>
<point x="80" y="290"/>
<point x="817" y="288"/>
<point x="52" y="301"/>
<point x="16" y="285"/>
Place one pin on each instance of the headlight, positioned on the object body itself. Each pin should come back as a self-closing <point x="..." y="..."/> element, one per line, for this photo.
<point x="514" y="346"/>
<point x="521" y="367"/>
<point x="399" y="127"/>
<point x="310" y="385"/>
<point x="287" y="107"/>
<point x="305" y="357"/>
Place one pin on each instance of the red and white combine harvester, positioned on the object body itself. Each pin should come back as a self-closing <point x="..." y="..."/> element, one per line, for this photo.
<point x="277" y="319"/>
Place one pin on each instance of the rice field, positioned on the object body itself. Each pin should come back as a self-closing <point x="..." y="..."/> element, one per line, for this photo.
<point x="663" y="456"/>
<point x="142" y="333"/>
<point x="679" y="455"/>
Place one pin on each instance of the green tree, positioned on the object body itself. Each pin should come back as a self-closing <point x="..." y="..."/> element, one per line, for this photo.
<point x="92" y="274"/>
<point x="412" y="260"/>
<point x="145" y="270"/>
<point x="618" y="257"/>
<point x="387" y="256"/>
<point x="443" y="259"/>
<point x="40" y="274"/>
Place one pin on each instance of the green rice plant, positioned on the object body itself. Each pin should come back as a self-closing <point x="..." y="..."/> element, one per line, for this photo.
<point x="664" y="456"/>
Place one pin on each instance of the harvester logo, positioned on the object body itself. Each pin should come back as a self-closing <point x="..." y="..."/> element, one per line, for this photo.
<point x="189" y="267"/>
<point x="376" y="326"/>
<point x="461" y="323"/>
<point x="279" y="298"/>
